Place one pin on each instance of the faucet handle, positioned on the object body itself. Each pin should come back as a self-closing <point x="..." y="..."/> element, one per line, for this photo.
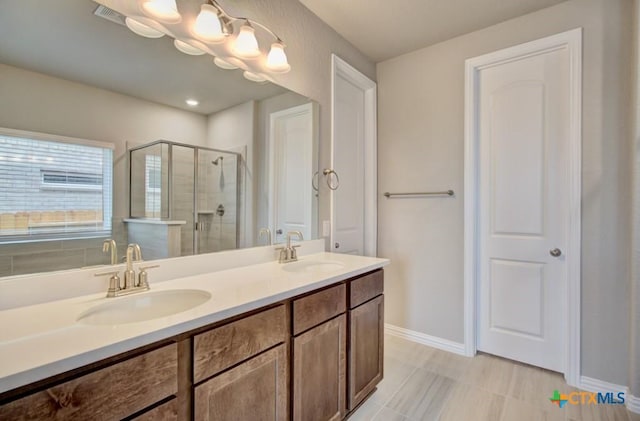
<point x="143" y="278"/>
<point x="114" y="282"/>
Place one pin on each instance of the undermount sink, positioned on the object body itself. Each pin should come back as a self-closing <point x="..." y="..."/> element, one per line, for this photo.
<point x="310" y="266"/>
<point x="144" y="306"/>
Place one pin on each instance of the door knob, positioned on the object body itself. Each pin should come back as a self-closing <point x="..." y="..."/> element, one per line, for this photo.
<point x="337" y="245"/>
<point x="555" y="252"/>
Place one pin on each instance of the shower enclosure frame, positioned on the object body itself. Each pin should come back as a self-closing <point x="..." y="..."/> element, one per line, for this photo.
<point x="196" y="166"/>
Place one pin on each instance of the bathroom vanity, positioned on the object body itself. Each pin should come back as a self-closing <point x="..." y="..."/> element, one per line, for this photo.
<point x="301" y="341"/>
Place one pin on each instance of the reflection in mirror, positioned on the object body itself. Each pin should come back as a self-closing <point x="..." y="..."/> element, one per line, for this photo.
<point x="212" y="175"/>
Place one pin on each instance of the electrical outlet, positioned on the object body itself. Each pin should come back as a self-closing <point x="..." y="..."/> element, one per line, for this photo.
<point x="326" y="228"/>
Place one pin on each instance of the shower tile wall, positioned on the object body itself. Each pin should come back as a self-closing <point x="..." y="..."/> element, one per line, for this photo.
<point x="218" y="232"/>
<point x="182" y="192"/>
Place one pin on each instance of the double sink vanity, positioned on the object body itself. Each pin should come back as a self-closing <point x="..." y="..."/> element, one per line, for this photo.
<point x="259" y="340"/>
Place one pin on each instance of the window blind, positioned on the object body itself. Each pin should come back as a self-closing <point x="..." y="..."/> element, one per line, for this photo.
<point x="52" y="189"/>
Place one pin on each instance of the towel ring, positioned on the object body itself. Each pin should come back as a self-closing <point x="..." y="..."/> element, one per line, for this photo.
<point x="327" y="173"/>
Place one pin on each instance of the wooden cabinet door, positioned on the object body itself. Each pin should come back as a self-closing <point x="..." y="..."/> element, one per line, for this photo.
<point x="111" y="393"/>
<point x="319" y="372"/>
<point x="255" y="390"/>
<point x="366" y="344"/>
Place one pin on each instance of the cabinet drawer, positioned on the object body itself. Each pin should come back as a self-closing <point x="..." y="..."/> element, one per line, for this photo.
<point x="168" y="411"/>
<point x="232" y="343"/>
<point x="113" y="392"/>
<point x="365" y="288"/>
<point x="314" y="309"/>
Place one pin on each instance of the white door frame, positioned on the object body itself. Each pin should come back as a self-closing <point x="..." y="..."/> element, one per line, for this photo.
<point x="572" y="41"/>
<point x="310" y="108"/>
<point x="342" y="69"/>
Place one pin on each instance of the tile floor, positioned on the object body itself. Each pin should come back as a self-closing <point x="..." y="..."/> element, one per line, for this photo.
<point x="423" y="383"/>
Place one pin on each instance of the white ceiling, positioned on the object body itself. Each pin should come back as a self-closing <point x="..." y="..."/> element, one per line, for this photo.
<point x="64" y="39"/>
<point x="383" y="29"/>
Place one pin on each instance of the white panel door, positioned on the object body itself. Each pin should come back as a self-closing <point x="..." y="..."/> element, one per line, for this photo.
<point x="523" y="131"/>
<point x="348" y="211"/>
<point x="291" y="169"/>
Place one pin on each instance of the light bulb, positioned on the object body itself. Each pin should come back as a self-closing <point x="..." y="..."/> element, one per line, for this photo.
<point x="223" y="64"/>
<point x="163" y="10"/>
<point x="277" y="59"/>
<point x="253" y="77"/>
<point x="187" y="48"/>
<point x="141" y="29"/>
<point x="246" y="45"/>
<point x="207" y="26"/>
<point x="192" y="102"/>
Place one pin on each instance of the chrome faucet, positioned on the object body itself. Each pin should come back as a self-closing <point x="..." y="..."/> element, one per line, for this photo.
<point x="267" y="232"/>
<point x="131" y="282"/>
<point x="288" y="253"/>
<point x="110" y="244"/>
<point x="133" y="253"/>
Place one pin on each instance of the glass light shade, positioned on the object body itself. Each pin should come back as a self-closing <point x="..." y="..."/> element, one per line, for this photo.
<point x="246" y="45"/>
<point x="223" y="64"/>
<point x="277" y="59"/>
<point x="142" y="29"/>
<point x="253" y="77"/>
<point x="187" y="48"/>
<point x="163" y="10"/>
<point x="207" y="26"/>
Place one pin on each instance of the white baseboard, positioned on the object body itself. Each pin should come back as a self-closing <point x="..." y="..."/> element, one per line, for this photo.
<point x="421" y="338"/>
<point x="594" y="385"/>
<point x="633" y="404"/>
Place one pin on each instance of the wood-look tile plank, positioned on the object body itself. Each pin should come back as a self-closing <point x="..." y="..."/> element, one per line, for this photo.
<point x="598" y="412"/>
<point x="410" y="352"/>
<point x="396" y="373"/>
<point x="517" y="410"/>
<point x="422" y="396"/>
<point x="387" y="414"/>
<point x="471" y="403"/>
<point x="366" y="412"/>
<point x="447" y="364"/>
<point x="535" y="385"/>
<point x="490" y="373"/>
<point x="633" y="416"/>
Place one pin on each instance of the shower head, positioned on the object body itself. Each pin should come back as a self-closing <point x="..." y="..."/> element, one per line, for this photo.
<point x="215" y="161"/>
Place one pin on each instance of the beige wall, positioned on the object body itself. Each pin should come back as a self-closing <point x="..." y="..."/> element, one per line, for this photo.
<point x="421" y="118"/>
<point x="634" y="328"/>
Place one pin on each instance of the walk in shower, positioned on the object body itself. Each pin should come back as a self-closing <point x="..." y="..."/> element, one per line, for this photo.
<point x="183" y="199"/>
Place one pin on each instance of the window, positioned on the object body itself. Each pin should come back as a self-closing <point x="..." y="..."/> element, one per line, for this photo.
<point x="53" y="188"/>
<point x="153" y="183"/>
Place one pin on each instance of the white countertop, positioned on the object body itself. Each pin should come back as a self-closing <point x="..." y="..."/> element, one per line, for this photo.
<point x="42" y="340"/>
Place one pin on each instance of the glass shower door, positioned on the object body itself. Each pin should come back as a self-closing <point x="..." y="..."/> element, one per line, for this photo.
<point x="216" y="201"/>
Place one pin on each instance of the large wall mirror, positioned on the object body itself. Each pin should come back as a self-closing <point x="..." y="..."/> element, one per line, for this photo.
<point x="98" y="141"/>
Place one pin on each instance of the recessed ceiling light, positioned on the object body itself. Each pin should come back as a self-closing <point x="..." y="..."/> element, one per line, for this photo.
<point x="192" y="102"/>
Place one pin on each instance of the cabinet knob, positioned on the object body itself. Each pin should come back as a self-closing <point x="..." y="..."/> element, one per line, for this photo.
<point x="555" y="252"/>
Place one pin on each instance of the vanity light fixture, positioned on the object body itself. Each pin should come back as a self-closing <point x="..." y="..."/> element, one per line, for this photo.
<point x="165" y="11"/>
<point x="277" y="59"/>
<point x="253" y="77"/>
<point x="141" y="29"/>
<point x="223" y="64"/>
<point x="214" y="26"/>
<point x="246" y="44"/>
<point x="187" y="48"/>
<point x="208" y="27"/>
<point x="192" y="102"/>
